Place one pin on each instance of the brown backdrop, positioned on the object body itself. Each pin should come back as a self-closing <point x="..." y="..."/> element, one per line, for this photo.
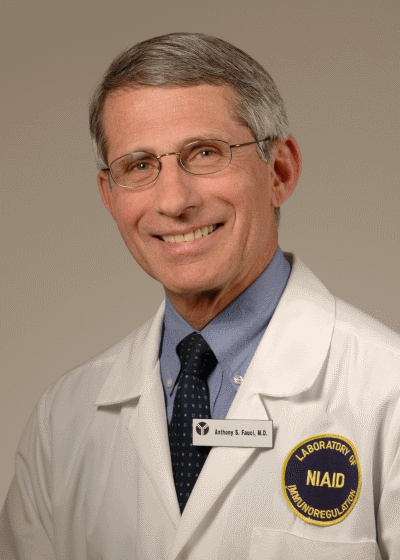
<point x="70" y="288"/>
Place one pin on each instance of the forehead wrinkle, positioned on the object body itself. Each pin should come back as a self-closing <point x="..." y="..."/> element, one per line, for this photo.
<point x="228" y="93"/>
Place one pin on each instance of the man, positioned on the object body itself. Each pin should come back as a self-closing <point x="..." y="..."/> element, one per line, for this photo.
<point x="195" y="160"/>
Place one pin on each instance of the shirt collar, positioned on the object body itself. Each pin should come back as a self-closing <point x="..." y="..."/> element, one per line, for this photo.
<point x="240" y="321"/>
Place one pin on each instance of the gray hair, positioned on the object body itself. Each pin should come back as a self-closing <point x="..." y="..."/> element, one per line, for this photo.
<point x="189" y="59"/>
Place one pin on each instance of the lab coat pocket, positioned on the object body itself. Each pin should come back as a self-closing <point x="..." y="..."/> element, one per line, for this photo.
<point x="278" y="545"/>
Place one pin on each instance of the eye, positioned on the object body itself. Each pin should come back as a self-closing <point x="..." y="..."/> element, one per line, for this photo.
<point x="206" y="153"/>
<point x="201" y="152"/>
<point x="139" y="166"/>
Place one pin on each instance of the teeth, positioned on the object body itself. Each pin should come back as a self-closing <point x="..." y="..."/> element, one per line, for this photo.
<point x="201" y="232"/>
<point x="189" y="236"/>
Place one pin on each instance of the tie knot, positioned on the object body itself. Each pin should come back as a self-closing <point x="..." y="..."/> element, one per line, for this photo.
<point x="196" y="356"/>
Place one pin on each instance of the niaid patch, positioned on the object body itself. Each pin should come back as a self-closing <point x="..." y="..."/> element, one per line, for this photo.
<point x="321" y="479"/>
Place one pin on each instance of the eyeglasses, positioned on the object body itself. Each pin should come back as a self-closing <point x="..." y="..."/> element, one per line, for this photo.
<point x="202" y="157"/>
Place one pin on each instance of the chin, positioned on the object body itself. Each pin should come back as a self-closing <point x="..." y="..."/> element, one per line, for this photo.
<point x="188" y="289"/>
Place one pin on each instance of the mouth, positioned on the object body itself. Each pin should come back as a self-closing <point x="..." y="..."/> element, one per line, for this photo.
<point x="190" y="236"/>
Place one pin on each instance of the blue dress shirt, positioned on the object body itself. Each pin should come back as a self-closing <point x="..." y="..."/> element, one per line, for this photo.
<point x="233" y="335"/>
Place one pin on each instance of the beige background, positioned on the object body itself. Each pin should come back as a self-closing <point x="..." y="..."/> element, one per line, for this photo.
<point x="70" y="288"/>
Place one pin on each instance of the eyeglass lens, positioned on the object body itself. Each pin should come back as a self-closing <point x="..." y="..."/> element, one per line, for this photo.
<point x="200" y="158"/>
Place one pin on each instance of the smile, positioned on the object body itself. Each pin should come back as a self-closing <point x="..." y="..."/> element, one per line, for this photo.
<point x="196" y="234"/>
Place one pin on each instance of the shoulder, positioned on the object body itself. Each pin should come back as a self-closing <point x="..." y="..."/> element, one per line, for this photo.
<point x="357" y="347"/>
<point x="349" y="322"/>
<point x="353" y="323"/>
<point x="76" y="391"/>
<point x="365" y="357"/>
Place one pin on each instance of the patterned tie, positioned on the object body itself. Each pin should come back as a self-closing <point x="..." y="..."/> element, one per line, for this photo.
<point x="191" y="401"/>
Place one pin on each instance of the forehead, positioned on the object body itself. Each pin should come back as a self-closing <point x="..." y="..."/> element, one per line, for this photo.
<point x="162" y="118"/>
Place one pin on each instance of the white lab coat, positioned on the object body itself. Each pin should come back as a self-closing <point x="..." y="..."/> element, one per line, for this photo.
<point x="93" y="471"/>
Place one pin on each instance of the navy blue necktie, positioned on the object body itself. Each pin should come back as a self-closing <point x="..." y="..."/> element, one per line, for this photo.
<point x="192" y="400"/>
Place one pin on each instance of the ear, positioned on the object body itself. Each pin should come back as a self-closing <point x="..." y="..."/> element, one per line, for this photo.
<point x="285" y="165"/>
<point x="104" y="184"/>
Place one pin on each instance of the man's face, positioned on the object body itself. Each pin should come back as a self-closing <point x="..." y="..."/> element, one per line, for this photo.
<point x="236" y="200"/>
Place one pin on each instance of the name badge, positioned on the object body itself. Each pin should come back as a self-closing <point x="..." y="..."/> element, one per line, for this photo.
<point x="232" y="433"/>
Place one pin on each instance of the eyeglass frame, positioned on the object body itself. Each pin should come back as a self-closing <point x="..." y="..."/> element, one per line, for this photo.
<point x="158" y="158"/>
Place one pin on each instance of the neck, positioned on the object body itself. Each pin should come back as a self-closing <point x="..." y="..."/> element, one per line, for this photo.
<point x="200" y="308"/>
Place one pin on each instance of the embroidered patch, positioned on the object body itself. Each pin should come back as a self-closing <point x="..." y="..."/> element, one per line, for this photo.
<point x="321" y="479"/>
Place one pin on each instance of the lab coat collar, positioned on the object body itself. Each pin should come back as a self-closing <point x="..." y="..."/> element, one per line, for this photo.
<point x="139" y="354"/>
<point x="297" y="340"/>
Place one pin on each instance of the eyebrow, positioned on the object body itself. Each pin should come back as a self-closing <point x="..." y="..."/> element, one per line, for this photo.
<point x="210" y="135"/>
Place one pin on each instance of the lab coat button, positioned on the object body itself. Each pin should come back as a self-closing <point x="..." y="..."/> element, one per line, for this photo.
<point x="238" y="379"/>
<point x="169" y="382"/>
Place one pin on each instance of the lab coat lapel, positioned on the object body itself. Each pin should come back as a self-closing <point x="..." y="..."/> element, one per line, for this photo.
<point x="148" y="427"/>
<point x="148" y="430"/>
<point x="135" y="380"/>
<point x="220" y="468"/>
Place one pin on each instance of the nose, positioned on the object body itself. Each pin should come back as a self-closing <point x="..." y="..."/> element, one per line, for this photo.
<point x="176" y="190"/>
